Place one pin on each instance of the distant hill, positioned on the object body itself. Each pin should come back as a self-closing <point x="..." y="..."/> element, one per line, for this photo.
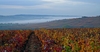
<point x="19" y="17"/>
<point x="84" y="22"/>
<point x="25" y="17"/>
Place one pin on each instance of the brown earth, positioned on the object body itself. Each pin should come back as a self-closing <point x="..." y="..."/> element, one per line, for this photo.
<point x="33" y="44"/>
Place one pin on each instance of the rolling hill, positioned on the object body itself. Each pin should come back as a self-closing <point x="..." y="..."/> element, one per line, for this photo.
<point x="84" y="22"/>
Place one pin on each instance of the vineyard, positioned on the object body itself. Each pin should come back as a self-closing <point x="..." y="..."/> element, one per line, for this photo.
<point x="51" y="40"/>
<point x="13" y="41"/>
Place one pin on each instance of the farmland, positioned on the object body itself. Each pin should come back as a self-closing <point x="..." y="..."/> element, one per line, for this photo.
<point x="51" y="40"/>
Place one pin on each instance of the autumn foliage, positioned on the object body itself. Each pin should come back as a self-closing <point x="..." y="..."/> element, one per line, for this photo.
<point x="53" y="40"/>
<point x="13" y="41"/>
<point x="70" y="40"/>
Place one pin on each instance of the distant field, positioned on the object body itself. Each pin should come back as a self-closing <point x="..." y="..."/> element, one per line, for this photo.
<point x="51" y="40"/>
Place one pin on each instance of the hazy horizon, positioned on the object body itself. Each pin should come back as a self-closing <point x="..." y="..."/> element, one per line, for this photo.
<point x="33" y="19"/>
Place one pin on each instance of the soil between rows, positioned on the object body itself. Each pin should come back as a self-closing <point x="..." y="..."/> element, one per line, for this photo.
<point x="33" y="44"/>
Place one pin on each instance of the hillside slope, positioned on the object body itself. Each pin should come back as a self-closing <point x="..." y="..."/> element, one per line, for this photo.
<point x="84" y="22"/>
<point x="70" y="23"/>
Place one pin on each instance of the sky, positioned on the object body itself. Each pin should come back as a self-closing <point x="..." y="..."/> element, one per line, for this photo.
<point x="50" y="7"/>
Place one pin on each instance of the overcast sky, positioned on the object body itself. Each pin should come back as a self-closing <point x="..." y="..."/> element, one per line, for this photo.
<point x="50" y="7"/>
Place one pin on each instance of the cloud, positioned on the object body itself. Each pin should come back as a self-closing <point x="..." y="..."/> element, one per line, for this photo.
<point x="75" y="2"/>
<point x="46" y="4"/>
<point x="11" y="6"/>
<point x="24" y="7"/>
<point x="69" y="2"/>
<point x="54" y="1"/>
<point x="62" y="4"/>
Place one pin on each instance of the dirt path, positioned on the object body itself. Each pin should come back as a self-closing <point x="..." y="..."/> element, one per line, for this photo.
<point x="33" y="44"/>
